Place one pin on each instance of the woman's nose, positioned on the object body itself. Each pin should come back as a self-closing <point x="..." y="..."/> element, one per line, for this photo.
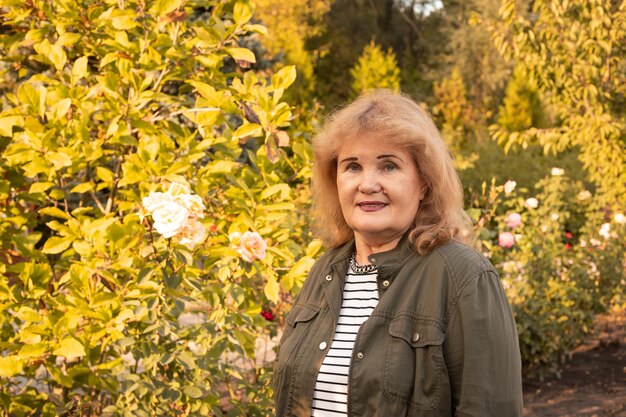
<point x="370" y="182"/>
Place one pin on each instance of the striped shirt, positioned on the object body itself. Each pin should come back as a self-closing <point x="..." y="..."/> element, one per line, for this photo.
<point x="360" y="297"/>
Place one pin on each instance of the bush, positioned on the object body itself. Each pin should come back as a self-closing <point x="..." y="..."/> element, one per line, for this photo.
<point x="111" y="307"/>
<point x="561" y="259"/>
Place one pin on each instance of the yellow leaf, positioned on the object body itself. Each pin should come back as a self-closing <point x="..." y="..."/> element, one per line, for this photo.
<point x="54" y="212"/>
<point x="79" y="69"/>
<point x="70" y="348"/>
<point x="272" y="289"/>
<point x="7" y="123"/>
<point x="56" y="244"/>
<point x="10" y="366"/>
<point x="248" y="130"/>
<point x="241" y="54"/>
<point x="59" y="159"/>
<point x="40" y="187"/>
<point x="242" y="13"/>
<point x="82" y="188"/>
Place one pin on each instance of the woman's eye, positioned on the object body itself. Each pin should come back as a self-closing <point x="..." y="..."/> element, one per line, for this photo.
<point x="389" y="166"/>
<point x="353" y="167"/>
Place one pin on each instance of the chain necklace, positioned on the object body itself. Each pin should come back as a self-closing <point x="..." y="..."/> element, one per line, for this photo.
<point x="361" y="269"/>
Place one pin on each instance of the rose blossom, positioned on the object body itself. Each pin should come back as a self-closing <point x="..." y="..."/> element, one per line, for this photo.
<point x="249" y="245"/>
<point x="620" y="218"/>
<point x="605" y="230"/>
<point x="154" y="201"/>
<point x="192" y="234"/>
<point x="513" y="220"/>
<point x="531" y="203"/>
<point x="193" y="203"/>
<point x="583" y="195"/>
<point x="506" y="240"/>
<point x="557" y="172"/>
<point x="509" y="186"/>
<point x="170" y="219"/>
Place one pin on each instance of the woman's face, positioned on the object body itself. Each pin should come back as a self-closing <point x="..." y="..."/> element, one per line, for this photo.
<point x="379" y="189"/>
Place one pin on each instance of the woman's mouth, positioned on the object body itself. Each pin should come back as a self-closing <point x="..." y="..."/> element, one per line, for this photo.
<point x="371" y="205"/>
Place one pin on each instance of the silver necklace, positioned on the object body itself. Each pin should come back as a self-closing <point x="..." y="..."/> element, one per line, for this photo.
<point x="361" y="269"/>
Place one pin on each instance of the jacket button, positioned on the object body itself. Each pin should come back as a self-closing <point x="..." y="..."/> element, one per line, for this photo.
<point x="373" y="260"/>
<point x="416" y="337"/>
<point x="386" y="283"/>
<point x="323" y="345"/>
<point x="359" y="355"/>
<point x="329" y="278"/>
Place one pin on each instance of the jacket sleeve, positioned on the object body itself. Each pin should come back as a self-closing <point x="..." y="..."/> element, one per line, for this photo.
<point x="482" y="352"/>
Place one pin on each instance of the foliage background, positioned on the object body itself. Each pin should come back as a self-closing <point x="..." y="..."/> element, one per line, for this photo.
<point x="106" y="101"/>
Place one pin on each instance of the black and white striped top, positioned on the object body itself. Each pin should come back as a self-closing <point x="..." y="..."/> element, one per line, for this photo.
<point x="360" y="297"/>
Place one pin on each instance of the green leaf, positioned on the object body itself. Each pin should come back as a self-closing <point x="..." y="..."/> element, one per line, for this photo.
<point x="241" y="54"/>
<point x="70" y="348"/>
<point x="10" y="366"/>
<point x="193" y="392"/>
<point x="79" y="69"/>
<point x="56" y="245"/>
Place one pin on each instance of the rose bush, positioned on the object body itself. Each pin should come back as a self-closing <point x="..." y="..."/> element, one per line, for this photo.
<point x="136" y="137"/>
<point x="561" y="259"/>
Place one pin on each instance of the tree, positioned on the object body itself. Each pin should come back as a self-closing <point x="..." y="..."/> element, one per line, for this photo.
<point x="521" y="108"/>
<point x="456" y="117"/>
<point x="153" y="205"/>
<point x="375" y="69"/>
<point x="574" y="52"/>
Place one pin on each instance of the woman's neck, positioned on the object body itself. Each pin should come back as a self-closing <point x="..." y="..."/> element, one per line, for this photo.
<point x="365" y="247"/>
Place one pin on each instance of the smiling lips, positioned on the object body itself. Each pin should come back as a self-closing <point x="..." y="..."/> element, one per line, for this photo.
<point x="371" y="205"/>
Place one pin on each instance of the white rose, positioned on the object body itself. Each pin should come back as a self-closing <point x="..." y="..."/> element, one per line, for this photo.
<point x="583" y="195"/>
<point x="531" y="203"/>
<point x="554" y="216"/>
<point x="170" y="219"/>
<point x="557" y="172"/>
<point x="605" y="230"/>
<point x="193" y="203"/>
<point x="509" y="186"/>
<point x="620" y="218"/>
<point x="154" y="201"/>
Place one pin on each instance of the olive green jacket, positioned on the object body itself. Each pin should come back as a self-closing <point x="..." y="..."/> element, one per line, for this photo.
<point x="441" y="342"/>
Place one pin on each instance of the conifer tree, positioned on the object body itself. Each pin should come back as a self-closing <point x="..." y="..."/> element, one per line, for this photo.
<point x="375" y="69"/>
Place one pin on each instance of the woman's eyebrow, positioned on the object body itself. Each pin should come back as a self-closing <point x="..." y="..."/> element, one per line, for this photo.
<point x="389" y="156"/>
<point x="349" y="159"/>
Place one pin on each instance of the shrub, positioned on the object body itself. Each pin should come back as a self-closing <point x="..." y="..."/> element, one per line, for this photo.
<point x="106" y="102"/>
<point x="565" y="263"/>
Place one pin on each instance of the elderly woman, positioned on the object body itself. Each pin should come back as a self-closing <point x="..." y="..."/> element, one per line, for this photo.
<point x="401" y="317"/>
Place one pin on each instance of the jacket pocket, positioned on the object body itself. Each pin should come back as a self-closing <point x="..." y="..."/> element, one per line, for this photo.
<point x="298" y="321"/>
<point x="414" y="363"/>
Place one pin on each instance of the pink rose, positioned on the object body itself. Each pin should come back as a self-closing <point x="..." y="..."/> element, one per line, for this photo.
<point x="513" y="220"/>
<point x="506" y="240"/>
<point x="249" y="246"/>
